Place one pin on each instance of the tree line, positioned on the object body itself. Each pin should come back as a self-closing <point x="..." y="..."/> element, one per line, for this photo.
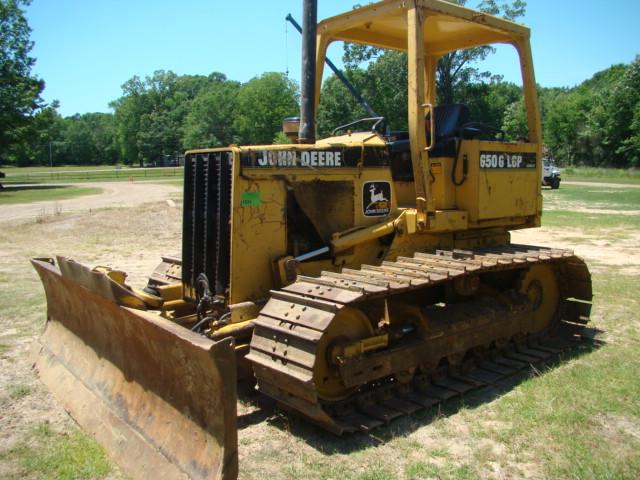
<point x="159" y="116"/>
<point x="596" y="123"/>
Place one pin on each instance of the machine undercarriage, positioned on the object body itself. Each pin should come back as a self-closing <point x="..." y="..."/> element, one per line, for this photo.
<point x="355" y="349"/>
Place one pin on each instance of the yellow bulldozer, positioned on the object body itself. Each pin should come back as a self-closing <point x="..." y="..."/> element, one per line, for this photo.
<point x="356" y="278"/>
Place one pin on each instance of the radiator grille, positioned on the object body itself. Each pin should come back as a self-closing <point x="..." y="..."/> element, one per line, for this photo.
<point x="206" y="220"/>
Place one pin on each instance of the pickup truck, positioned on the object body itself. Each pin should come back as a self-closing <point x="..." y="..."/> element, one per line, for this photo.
<point x="550" y="175"/>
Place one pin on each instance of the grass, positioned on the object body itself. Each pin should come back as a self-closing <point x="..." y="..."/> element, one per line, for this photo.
<point x="11" y="195"/>
<point x="583" y="419"/>
<point x="568" y="219"/>
<point x="106" y="236"/>
<point x="86" y="174"/>
<point x="595" y="174"/>
<point x="576" y="206"/>
<point x="423" y="471"/>
<point x="18" y="391"/>
<point x="580" y="419"/>
<point x="171" y="181"/>
<point x="11" y="170"/>
<point x="46" y="453"/>
<point x="597" y="196"/>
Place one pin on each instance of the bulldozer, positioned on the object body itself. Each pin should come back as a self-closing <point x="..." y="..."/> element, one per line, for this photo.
<point x="356" y="278"/>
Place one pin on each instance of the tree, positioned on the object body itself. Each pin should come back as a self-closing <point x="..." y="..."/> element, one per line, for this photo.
<point x="630" y="147"/>
<point x="488" y="101"/>
<point x="128" y="110"/>
<point x="38" y="138"/>
<point x="596" y="122"/>
<point x="458" y="77"/>
<point x="615" y="118"/>
<point x="209" y="122"/>
<point x="89" y="139"/>
<point x="338" y="105"/>
<point x="514" y="124"/>
<point x="150" y="116"/>
<point x="565" y="115"/>
<point x="19" y="90"/>
<point x="262" y="104"/>
<point x="456" y="69"/>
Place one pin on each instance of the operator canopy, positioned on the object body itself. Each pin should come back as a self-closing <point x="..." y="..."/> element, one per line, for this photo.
<point x="447" y="27"/>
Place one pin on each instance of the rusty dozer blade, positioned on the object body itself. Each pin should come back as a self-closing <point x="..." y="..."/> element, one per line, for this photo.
<point x="161" y="399"/>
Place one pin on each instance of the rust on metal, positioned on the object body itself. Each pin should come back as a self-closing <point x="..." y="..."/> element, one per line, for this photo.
<point x="286" y="348"/>
<point x="160" y="398"/>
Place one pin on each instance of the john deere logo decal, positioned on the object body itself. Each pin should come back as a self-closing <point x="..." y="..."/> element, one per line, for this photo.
<point x="376" y="198"/>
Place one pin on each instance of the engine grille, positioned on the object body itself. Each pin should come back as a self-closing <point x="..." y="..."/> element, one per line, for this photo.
<point x="206" y="220"/>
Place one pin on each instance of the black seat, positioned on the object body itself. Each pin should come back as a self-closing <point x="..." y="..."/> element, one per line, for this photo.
<point x="452" y="126"/>
<point x="450" y="123"/>
<point x="449" y="119"/>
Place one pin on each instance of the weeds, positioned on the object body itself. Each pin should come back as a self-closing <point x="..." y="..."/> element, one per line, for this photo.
<point x="18" y="391"/>
<point x="50" y="454"/>
<point x="43" y="216"/>
<point x="424" y="471"/>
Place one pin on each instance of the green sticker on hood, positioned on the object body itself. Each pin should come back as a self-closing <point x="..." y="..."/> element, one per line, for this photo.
<point x="251" y="199"/>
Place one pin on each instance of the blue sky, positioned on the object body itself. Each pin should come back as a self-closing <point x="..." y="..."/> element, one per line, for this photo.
<point x="86" y="50"/>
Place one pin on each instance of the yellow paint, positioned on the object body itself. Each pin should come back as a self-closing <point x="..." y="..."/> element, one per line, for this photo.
<point x="427" y="213"/>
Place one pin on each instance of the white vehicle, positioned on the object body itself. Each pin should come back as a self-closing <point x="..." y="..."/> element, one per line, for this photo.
<point x="550" y="174"/>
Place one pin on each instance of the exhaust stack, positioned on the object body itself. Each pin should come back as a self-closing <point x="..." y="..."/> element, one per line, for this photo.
<point x="307" y="132"/>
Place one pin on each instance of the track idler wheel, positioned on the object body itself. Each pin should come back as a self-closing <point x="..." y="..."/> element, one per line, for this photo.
<point x="540" y="285"/>
<point x="348" y="326"/>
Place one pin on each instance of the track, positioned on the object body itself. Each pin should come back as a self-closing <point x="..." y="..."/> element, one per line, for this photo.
<point x="290" y="335"/>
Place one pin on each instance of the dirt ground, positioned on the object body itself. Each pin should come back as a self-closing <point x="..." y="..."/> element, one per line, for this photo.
<point x="114" y="194"/>
<point x="107" y="229"/>
<point x="131" y="234"/>
<point x="599" y="252"/>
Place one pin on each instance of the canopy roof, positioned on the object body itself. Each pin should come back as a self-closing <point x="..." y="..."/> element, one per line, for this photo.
<point x="447" y="26"/>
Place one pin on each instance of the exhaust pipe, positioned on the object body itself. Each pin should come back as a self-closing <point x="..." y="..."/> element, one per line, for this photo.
<point x="307" y="132"/>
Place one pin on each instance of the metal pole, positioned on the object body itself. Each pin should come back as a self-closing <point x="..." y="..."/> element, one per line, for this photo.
<point x="50" y="156"/>
<point x="340" y="75"/>
<point x="307" y="131"/>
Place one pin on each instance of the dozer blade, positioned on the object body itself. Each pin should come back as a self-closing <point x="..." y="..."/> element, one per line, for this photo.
<point x="161" y="399"/>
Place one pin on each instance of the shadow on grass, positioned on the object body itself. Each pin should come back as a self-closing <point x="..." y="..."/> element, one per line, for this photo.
<point x="265" y="409"/>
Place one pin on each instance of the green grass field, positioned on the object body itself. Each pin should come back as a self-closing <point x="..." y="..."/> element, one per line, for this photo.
<point x="593" y="174"/>
<point x="599" y="208"/>
<point x="10" y="195"/>
<point x="86" y="174"/>
<point x="576" y="419"/>
<point x="11" y="170"/>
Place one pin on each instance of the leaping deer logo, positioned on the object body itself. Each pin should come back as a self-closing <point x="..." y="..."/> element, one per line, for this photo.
<point x="376" y="197"/>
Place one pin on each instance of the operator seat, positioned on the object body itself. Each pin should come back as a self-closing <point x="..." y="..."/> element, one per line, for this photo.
<point x="450" y="123"/>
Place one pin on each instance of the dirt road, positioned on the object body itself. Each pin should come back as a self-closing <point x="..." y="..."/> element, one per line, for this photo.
<point x="114" y="194"/>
